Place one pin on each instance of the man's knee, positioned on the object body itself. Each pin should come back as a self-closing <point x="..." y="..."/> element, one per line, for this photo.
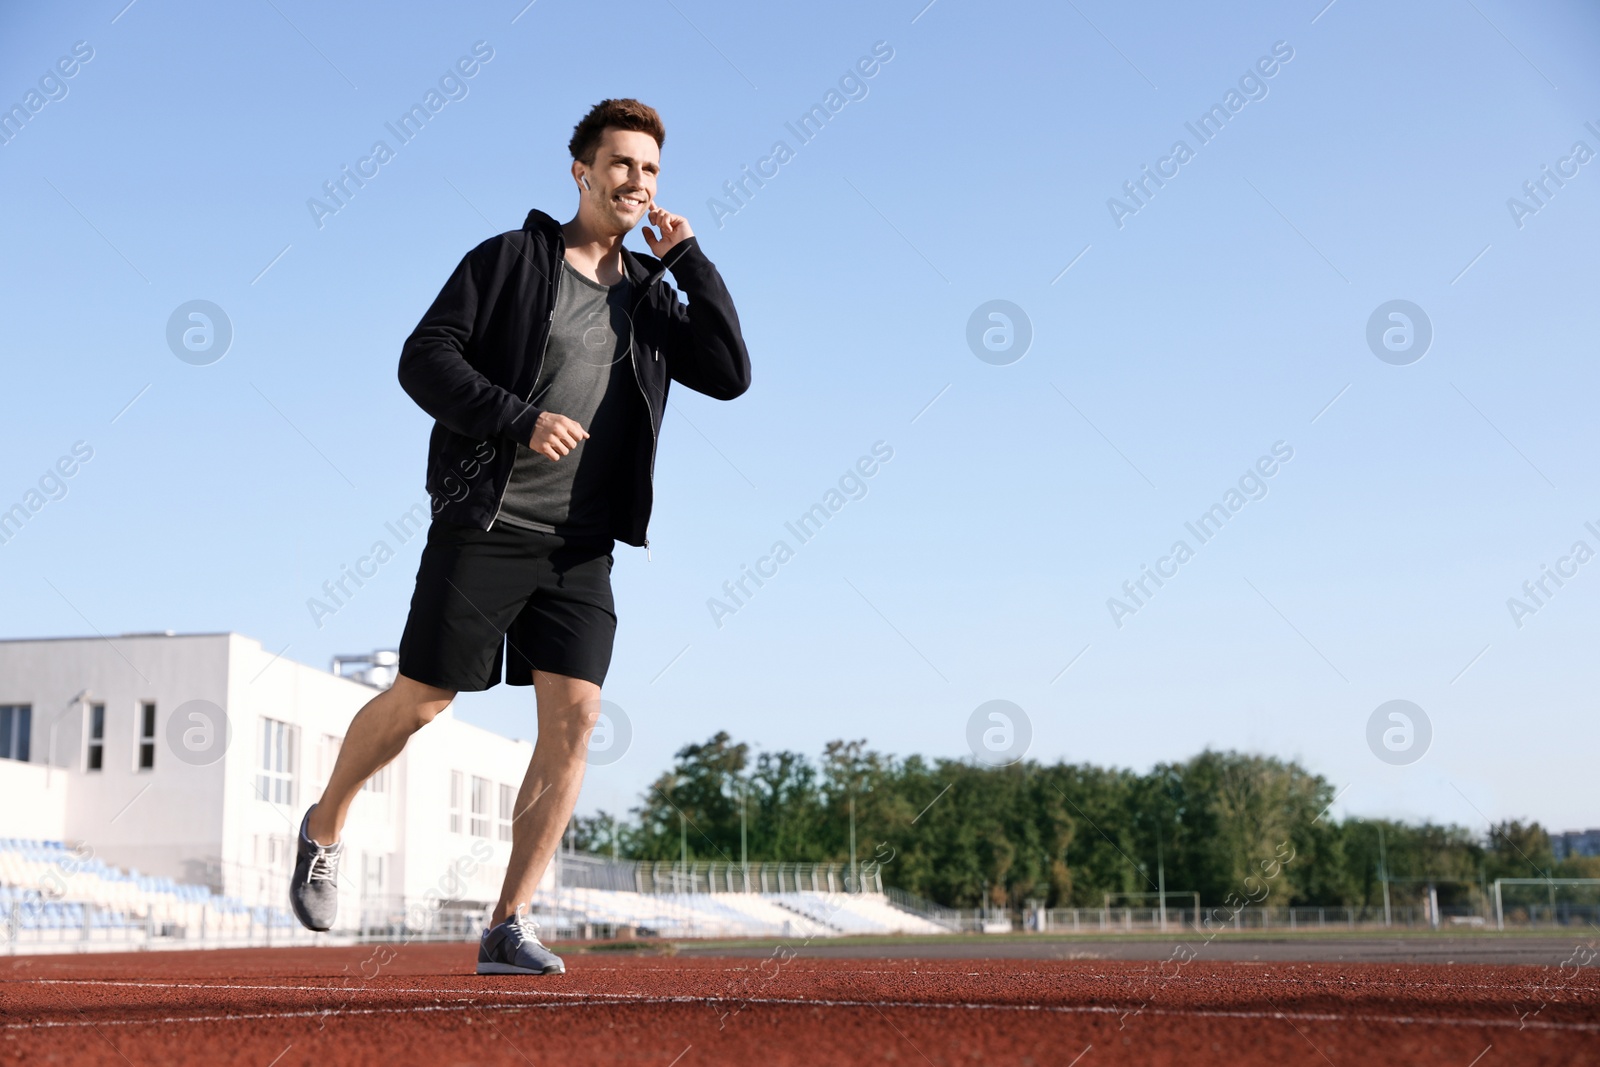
<point x="569" y="710"/>
<point x="420" y="702"/>
<point x="575" y="722"/>
<point x="426" y="712"/>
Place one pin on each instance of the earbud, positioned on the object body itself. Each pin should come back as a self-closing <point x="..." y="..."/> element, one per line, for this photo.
<point x="585" y="180"/>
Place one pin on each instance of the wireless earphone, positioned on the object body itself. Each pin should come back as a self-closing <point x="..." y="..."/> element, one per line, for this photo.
<point x="584" y="179"/>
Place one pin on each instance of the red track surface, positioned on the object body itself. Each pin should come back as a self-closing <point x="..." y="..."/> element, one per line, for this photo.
<point x="422" y="1004"/>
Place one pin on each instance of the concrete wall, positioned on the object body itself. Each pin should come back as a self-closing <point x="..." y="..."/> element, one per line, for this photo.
<point x="34" y="800"/>
<point x="200" y="815"/>
<point x="159" y="820"/>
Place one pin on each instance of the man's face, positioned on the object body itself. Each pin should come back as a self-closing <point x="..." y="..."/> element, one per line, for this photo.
<point x="622" y="180"/>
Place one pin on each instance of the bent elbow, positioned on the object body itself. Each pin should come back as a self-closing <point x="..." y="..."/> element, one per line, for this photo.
<point x="739" y="383"/>
<point x="730" y="388"/>
<point x="405" y="371"/>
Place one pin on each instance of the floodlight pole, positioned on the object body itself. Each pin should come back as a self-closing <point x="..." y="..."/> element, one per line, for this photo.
<point x="744" y="858"/>
<point x="1383" y="872"/>
<point x="1161" y="881"/>
<point x="854" y="878"/>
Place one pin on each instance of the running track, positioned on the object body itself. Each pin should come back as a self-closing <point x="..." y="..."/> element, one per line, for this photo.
<point x="421" y="1004"/>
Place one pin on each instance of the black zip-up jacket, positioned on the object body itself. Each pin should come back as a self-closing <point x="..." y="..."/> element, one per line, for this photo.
<point x="473" y="360"/>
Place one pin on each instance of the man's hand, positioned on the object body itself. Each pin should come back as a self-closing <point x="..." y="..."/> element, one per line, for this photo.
<point x="555" y="435"/>
<point x="674" y="228"/>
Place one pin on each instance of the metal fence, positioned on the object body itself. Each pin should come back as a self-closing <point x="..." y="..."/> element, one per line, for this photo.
<point x="31" y="926"/>
<point x="1306" y="919"/>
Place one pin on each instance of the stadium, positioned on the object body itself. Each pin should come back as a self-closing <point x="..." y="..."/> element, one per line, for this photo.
<point x="140" y="930"/>
<point x="370" y="687"/>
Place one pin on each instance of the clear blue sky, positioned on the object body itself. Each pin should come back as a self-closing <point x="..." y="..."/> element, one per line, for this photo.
<point x="1220" y="318"/>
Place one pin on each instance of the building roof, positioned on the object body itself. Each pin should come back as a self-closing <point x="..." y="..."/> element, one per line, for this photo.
<point x="119" y="637"/>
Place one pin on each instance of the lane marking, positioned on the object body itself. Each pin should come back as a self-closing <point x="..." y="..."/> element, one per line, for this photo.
<point x="610" y="1000"/>
<point x="1139" y="978"/>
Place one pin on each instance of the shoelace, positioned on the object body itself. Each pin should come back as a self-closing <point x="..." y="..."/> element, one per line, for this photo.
<point x="525" y="924"/>
<point x="324" y="865"/>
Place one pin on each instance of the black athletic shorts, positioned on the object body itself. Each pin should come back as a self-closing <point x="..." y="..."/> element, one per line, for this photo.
<point x="512" y="596"/>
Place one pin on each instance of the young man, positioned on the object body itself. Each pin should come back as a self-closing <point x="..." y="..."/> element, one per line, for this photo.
<point x="545" y="362"/>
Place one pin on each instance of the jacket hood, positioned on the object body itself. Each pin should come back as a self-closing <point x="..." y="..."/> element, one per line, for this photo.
<point x="539" y="222"/>
<point x="640" y="267"/>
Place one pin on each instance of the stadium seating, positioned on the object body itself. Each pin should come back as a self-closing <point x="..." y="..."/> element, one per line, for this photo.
<point x="46" y="886"/>
<point x="803" y="915"/>
<point x="52" y="892"/>
<point x="856" y="913"/>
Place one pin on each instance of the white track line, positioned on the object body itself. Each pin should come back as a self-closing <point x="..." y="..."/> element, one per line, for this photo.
<point x="333" y="989"/>
<point x="611" y="1000"/>
<point x="1522" y="989"/>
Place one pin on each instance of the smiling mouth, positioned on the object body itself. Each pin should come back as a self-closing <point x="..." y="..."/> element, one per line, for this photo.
<point x="629" y="202"/>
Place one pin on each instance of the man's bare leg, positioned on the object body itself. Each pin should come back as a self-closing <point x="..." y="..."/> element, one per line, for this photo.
<point x="569" y="708"/>
<point x="376" y="735"/>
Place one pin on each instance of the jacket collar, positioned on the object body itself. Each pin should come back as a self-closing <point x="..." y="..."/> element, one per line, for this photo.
<point x="643" y="270"/>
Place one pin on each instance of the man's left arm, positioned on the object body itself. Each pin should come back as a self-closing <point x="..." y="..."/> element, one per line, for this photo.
<point x="703" y="346"/>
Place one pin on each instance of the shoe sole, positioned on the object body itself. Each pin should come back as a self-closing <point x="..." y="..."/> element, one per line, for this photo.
<point x="511" y="968"/>
<point x="313" y="929"/>
<point x="304" y="921"/>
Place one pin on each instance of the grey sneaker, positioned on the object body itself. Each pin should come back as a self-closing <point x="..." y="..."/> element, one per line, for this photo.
<point x="314" y="886"/>
<point x="513" y="947"/>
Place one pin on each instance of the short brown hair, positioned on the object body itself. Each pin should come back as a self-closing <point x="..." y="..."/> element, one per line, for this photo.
<point x="624" y="114"/>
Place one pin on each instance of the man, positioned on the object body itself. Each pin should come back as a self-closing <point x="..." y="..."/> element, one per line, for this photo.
<point x="545" y="362"/>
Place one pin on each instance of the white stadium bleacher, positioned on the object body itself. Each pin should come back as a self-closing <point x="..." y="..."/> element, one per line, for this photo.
<point x="52" y="894"/>
<point x="857" y="913"/>
<point x="802" y="915"/>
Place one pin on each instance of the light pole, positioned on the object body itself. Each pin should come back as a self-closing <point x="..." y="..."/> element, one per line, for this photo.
<point x="1161" y="881"/>
<point x="855" y="880"/>
<point x="1383" y="873"/>
<point x="744" y="853"/>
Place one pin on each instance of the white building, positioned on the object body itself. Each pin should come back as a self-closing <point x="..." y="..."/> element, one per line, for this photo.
<point x="131" y="763"/>
<point x="194" y="757"/>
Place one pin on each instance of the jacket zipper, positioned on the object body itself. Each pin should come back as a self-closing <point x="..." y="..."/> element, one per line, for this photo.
<point x="537" y="368"/>
<point x="632" y="360"/>
<point x="649" y="414"/>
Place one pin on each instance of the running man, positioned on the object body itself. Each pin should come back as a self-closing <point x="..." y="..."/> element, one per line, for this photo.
<point x="545" y="362"/>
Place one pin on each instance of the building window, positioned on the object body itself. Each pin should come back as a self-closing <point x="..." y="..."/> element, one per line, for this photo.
<point x="16" y="726"/>
<point x="95" y="755"/>
<point x="508" y="805"/>
<point x="275" y="779"/>
<point x="147" y="735"/>
<point x="480" y="807"/>
<point x="457" y="787"/>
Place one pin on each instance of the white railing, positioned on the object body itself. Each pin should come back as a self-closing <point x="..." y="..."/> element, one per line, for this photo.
<point x="949" y="918"/>
<point x="664" y="876"/>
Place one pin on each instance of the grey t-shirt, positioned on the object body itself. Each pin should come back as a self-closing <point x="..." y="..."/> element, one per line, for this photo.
<point x="587" y="376"/>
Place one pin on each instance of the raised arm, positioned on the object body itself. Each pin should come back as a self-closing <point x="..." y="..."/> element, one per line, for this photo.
<point x="703" y="346"/>
<point x="705" y="349"/>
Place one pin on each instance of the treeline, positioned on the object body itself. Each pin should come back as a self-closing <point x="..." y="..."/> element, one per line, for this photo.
<point x="963" y="834"/>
